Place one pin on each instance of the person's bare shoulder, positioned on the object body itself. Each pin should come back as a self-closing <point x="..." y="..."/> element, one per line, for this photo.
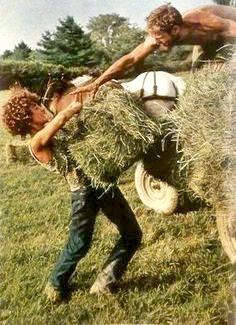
<point x="221" y="11"/>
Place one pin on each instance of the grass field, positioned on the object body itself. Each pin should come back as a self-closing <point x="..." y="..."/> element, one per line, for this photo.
<point x="179" y="276"/>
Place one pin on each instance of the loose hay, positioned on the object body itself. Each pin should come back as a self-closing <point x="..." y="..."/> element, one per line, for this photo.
<point x="115" y="134"/>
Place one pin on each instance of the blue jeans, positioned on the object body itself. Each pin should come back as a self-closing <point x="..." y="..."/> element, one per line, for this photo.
<point x="86" y="203"/>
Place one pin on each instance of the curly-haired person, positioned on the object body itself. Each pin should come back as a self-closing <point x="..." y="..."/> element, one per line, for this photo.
<point x="208" y="27"/>
<point x="18" y="111"/>
<point x="48" y="145"/>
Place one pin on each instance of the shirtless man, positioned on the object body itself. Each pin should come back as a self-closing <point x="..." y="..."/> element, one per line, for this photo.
<point x="208" y="26"/>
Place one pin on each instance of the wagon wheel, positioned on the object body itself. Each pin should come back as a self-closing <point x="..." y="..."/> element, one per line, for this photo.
<point x="226" y="225"/>
<point x="154" y="193"/>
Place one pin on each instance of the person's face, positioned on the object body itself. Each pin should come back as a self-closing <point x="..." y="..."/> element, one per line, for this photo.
<point x="164" y="40"/>
<point x="39" y="117"/>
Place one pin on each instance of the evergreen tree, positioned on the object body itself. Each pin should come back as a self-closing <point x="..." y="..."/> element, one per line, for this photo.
<point x="21" y="52"/>
<point x="68" y="45"/>
<point x="6" y="54"/>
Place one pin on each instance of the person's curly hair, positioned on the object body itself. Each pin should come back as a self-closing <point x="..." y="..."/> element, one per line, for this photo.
<point x="164" y="17"/>
<point x="17" y="112"/>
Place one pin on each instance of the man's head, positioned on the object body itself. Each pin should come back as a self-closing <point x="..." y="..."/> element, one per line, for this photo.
<point x="18" y="112"/>
<point x="164" y="24"/>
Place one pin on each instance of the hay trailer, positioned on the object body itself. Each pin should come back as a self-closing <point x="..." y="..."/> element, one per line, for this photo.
<point x="159" y="91"/>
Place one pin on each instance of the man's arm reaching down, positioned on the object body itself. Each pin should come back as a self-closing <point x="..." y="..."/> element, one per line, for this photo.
<point x="120" y="66"/>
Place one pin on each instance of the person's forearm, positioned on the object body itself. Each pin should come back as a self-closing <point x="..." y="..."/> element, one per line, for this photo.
<point x="65" y="115"/>
<point x="116" y="69"/>
<point x="120" y="66"/>
<point x="42" y="137"/>
<point x="72" y="109"/>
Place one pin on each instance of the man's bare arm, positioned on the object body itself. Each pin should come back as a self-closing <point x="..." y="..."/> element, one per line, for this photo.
<point x="42" y="137"/>
<point x="128" y="60"/>
<point x="121" y="65"/>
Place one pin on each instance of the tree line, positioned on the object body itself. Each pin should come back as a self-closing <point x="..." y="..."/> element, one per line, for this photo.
<point x="108" y="37"/>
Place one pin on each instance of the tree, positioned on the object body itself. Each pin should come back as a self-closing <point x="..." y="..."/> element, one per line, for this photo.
<point x="114" y="36"/>
<point x="102" y="28"/>
<point x="6" y="54"/>
<point x="21" y="52"/>
<point x="126" y="38"/>
<point x="68" y="45"/>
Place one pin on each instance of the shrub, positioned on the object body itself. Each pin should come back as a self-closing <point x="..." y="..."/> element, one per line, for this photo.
<point x="35" y="75"/>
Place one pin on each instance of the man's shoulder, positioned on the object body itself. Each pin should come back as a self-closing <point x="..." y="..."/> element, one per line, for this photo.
<point x="217" y="10"/>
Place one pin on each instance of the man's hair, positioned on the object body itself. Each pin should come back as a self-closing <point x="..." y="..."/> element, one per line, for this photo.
<point x="17" y="112"/>
<point x="164" y="17"/>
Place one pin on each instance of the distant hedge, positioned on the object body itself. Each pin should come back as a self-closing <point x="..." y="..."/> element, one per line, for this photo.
<point x="35" y="75"/>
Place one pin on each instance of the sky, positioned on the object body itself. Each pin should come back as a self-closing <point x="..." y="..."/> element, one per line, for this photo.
<point x="27" y="20"/>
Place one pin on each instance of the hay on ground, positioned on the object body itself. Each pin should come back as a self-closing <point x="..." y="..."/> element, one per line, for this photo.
<point x="18" y="152"/>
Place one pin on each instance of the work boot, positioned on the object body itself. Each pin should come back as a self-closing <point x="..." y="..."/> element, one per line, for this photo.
<point x="53" y="294"/>
<point x="105" y="281"/>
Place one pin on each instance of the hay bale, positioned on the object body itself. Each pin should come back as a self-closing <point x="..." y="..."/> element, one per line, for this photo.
<point x="199" y="126"/>
<point x="18" y="152"/>
<point x="115" y="134"/>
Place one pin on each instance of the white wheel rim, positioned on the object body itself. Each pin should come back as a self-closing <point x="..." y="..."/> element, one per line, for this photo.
<point x="154" y="193"/>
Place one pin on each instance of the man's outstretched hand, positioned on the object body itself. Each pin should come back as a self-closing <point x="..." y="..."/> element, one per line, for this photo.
<point x="85" y="93"/>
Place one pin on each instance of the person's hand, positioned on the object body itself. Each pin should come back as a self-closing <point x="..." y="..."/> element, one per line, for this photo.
<point x="85" y="93"/>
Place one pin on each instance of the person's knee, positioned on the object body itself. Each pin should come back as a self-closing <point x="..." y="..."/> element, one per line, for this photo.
<point x="79" y="244"/>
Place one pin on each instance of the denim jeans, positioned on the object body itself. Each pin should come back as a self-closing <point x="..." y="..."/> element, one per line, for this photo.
<point x="86" y="203"/>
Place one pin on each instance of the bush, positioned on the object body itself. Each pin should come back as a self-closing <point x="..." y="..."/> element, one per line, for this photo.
<point x="35" y="75"/>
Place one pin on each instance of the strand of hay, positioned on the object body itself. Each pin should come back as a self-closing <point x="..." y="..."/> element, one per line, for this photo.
<point x="115" y="134"/>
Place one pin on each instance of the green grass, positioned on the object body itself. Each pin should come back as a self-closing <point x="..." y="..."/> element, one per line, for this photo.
<point x="179" y="276"/>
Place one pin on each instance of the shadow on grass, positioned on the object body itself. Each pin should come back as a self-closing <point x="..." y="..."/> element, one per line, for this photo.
<point x="164" y="278"/>
<point x="188" y="204"/>
<point x="142" y="283"/>
<point x="80" y="282"/>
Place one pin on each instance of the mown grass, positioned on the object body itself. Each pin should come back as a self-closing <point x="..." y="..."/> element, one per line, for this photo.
<point x="179" y="276"/>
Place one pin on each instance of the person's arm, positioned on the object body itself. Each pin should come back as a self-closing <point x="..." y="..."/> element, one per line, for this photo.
<point x="121" y="65"/>
<point x="42" y="137"/>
